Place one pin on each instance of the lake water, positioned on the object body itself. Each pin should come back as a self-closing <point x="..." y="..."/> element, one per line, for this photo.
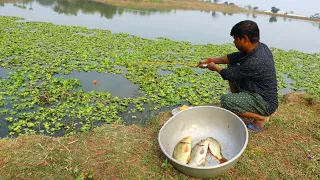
<point x="197" y="27"/>
<point x="106" y="82"/>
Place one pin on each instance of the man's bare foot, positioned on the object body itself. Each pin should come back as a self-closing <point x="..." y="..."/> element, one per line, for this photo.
<point x="259" y="122"/>
<point x="262" y="118"/>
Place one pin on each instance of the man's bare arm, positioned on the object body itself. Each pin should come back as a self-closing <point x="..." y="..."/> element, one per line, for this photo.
<point x="217" y="60"/>
<point x="220" y="60"/>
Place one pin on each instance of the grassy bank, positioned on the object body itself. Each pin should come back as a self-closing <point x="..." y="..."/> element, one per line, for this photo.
<point x="194" y="5"/>
<point x="132" y="152"/>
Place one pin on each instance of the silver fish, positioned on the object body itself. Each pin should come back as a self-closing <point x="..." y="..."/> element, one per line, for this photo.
<point x="198" y="153"/>
<point x="215" y="149"/>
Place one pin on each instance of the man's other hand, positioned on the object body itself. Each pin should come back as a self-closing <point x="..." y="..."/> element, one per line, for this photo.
<point x="213" y="67"/>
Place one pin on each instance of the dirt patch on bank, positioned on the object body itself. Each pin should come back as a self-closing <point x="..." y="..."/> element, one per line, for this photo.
<point x="177" y="4"/>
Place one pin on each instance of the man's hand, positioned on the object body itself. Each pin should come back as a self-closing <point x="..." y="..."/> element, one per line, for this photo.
<point x="213" y="67"/>
<point x="203" y="63"/>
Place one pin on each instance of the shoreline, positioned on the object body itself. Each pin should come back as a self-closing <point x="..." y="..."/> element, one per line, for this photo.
<point x="197" y="5"/>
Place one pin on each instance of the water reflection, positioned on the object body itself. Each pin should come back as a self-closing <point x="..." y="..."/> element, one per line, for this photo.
<point x="115" y="84"/>
<point x="73" y="7"/>
<point x="225" y="14"/>
<point x="254" y="16"/>
<point x="214" y="14"/>
<point x="178" y="25"/>
<point x="316" y="24"/>
<point x="272" y="19"/>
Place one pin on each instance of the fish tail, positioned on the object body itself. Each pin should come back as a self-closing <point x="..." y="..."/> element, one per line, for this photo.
<point x="223" y="160"/>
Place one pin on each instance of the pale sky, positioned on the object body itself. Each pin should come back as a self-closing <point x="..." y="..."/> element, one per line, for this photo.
<point x="302" y="7"/>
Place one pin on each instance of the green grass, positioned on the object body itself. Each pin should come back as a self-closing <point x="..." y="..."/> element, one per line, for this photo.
<point x="132" y="152"/>
<point x="156" y="1"/>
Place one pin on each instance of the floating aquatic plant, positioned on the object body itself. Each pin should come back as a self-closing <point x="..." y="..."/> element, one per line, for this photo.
<point x="33" y="100"/>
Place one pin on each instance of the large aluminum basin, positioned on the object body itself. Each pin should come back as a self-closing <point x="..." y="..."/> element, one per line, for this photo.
<point x="201" y="122"/>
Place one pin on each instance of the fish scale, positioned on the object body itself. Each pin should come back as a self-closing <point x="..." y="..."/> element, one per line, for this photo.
<point x="182" y="150"/>
<point x="198" y="153"/>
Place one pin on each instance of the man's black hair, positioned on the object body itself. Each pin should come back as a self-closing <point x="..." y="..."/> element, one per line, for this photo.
<point x="248" y="28"/>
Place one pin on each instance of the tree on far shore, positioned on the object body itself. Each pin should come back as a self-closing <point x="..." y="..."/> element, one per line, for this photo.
<point x="274" y="9"/>
<point x="248" y="7"/>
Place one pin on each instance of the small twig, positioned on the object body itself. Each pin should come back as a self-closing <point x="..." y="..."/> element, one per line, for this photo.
<point x="64" y="146"/>
<point x="41" y="146"/>
<point x="45" y="157"/>
<point x="86" y="159"/>
<point x="15" y="142"/>
<point x="72" y="142"/>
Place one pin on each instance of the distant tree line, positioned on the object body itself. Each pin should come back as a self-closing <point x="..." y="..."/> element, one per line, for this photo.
<point x="72" y="7"/>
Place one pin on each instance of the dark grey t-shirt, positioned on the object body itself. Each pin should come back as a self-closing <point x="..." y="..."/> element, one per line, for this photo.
<point x="255" y="73"/>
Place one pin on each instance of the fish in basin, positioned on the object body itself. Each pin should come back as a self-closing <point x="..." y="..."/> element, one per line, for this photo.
<point x="198" y="153"/>
<point x="182" y="150"/>
<point x="215" y="149"/>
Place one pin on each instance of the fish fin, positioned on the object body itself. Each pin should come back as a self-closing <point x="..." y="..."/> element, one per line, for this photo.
<point x="203" y="161"/>
<point x="223" y="160"/>
<point x="188" y="159"/>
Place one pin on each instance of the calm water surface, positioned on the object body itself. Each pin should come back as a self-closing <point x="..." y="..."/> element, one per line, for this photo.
<point x="197" y="27"/>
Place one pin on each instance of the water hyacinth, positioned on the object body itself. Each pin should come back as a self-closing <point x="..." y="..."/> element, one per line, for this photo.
<point x="35" y="97"/>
